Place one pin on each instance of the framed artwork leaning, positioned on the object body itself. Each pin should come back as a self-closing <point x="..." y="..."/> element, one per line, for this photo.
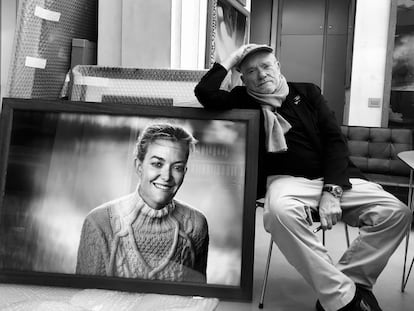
<point x="228" y="27"/>
<point x="91" y="197"/>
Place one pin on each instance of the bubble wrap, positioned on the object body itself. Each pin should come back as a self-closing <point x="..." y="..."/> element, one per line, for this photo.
<point x="167" y="87"/>
<point x="14" y="297"/>
<point x="105" y="300"/>
<point x="47" y="40"/>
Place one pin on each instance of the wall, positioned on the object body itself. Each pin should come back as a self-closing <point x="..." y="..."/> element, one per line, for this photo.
<point x="369" y="63"/>
<point x="109" y="34"/>
<point x="188" y="34"/>
<point x="152" y="34"/>
<point x="126" y="26"/>
<point x="152" y="31"/>
<point x="8" y="20"/>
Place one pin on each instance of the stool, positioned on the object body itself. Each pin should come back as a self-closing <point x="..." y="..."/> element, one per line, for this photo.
<point x="315" y="217"/>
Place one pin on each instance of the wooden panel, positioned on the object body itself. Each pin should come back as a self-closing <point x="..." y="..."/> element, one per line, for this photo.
<point x="303" y="17"/>
<point x="338" y="17"/>
<point x="301" y="58"/>
<point x="334" y="79"/>
<point x="261" y="21"/>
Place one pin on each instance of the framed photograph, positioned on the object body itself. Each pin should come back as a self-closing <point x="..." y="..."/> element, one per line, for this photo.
<point x="401" y="104"/>
<point x="227" y="29"/>
<point x="403" y="63"/>
<point x="63" y="162"/>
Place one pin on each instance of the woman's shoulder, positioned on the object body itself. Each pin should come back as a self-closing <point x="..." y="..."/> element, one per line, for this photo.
<point x="101" y="215"/>
<point x="187" y="208"/>
<point x="187" y="211"/>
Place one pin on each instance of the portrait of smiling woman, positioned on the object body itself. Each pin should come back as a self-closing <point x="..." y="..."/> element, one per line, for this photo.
<point x="148" y="234"/>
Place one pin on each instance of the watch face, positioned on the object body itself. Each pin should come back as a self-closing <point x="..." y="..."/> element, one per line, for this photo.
<point x="334" y="190"/>
<point x="337" y="191"/>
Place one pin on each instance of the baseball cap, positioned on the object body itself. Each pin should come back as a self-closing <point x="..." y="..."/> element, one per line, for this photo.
<point x="250" y="50"/>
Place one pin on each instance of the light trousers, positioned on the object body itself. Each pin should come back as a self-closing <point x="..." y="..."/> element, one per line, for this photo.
<point x="382" y="219"/>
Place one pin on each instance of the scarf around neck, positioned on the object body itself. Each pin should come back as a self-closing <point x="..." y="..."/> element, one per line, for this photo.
<point x="275" y="125"/>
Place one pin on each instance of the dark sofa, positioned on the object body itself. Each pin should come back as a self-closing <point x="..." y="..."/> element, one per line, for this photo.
<point x="374" y="151"/>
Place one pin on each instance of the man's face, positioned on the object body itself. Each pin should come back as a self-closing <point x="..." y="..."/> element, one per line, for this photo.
<point x="162" y="172"/>
<point x="261" y="72"/>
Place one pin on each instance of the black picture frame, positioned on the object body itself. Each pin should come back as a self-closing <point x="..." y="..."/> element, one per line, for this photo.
<point x="49" y="150"/>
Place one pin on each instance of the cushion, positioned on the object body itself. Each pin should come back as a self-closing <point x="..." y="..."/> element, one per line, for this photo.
<point x="375" y="150"/>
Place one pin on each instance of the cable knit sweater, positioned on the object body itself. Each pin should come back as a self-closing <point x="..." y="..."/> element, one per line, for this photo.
<point x="127" y="238"/>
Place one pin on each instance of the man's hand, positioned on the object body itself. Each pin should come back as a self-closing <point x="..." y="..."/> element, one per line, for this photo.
<point x="330" y="211"/>
<point x="234" y="57"/>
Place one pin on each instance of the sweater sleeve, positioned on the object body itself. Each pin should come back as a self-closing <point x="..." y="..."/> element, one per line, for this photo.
<point x="91" y="259"/>
<point x="208" y="90"/>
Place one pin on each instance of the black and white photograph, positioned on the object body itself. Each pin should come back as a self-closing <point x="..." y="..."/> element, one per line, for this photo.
<point x="141" y="195"/>
<point x="207" y="155"/>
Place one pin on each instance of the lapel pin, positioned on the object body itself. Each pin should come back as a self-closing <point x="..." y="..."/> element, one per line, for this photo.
<point x="296" y="99"/>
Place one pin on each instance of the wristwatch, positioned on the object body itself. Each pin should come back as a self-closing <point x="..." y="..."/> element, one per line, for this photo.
<point x="335" y="190"/>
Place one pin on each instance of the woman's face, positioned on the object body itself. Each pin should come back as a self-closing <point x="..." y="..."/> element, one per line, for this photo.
<point x="162" y="172"/>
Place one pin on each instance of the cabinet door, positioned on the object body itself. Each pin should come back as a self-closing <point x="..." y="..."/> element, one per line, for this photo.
<point x="301" y="41"/>
<point x="338" y="15"/>
<point x="301" y="58"/>
<point x="314" y="51"/>
<point x="334" y="75"/>
<point x="303" y="17"/>
<point x="336" y="56"/>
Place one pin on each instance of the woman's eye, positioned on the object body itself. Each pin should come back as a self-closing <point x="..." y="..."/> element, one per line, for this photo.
<point x="179" y="168"/>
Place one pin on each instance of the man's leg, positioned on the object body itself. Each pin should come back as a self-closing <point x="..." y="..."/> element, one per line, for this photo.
<point x="383" y="221"/>
<point x="284" y="218"/>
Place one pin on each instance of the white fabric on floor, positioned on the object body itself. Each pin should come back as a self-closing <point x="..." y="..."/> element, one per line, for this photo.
<point x="15" y="297"/>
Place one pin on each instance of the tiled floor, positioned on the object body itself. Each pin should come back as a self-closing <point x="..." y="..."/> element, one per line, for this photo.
<point x="287" y="291"/>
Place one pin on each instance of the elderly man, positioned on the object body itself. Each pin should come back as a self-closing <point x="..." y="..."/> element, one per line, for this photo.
<point x="302" y="147"/>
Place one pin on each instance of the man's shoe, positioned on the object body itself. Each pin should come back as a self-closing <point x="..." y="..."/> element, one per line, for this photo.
<point x="364" y="300"/>
<point x="319" y="306"/>
<point x="355" y="305"/>
<point x="369" y="297"/>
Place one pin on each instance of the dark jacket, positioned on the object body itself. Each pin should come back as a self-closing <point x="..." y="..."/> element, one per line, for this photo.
<point x="310" y="106"/>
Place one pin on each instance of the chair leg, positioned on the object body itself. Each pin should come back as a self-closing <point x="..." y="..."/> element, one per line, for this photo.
<point x="347" y="235"/>
<point x="269" y="257"/>
<point x="404" y="278"/>
<point x="408" y="274"/>
<point x="323" y="237"/>
<point x="407" y="239"/>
